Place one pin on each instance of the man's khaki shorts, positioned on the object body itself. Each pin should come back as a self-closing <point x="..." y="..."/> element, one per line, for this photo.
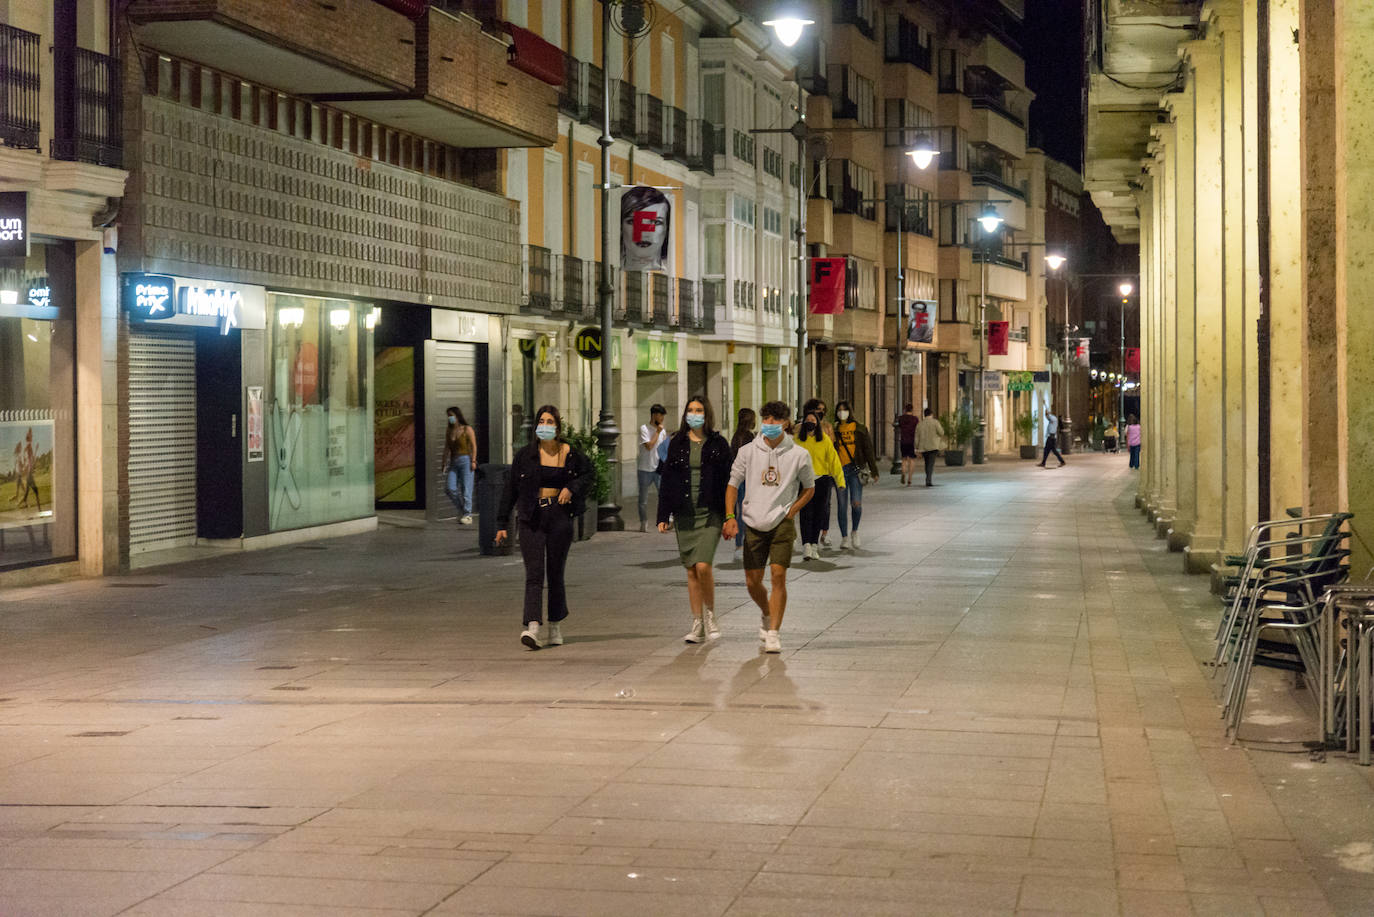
<point x="772" y="547"/>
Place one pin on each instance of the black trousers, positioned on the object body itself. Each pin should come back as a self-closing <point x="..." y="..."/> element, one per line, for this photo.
<point x="815" y="515"/>
<point x="544" y="545"/>
<point x="1051" y="446"/>
<point x="930" y="456"/>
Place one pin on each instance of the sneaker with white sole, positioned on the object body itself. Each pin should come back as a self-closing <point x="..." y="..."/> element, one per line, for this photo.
<point x="772" y="643"/>
<point x="697" y="634"/>
<point x="806" y="552"/>
<point x="763" y="627"/>
<point x="845" y="543"/>
<point x="825" y="539"/>
<point x="854" y="540"/>
<point x="712" y="628"/>
<point x="555" y="635"/>
<point x="466" y="520"/>
<point x="530" y="636"/>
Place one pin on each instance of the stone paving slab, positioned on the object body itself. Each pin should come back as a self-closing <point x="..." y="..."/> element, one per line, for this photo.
<point x="997" y="706"/>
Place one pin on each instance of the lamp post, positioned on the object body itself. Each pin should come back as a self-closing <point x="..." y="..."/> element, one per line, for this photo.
<point x="607" y="432"/>
<point x="989" y="220"/>
<point x="788" y="26"/>
<point x="1126" y="288"/>
<point x="922" y="155"/>
<point x="1054" y="262"/>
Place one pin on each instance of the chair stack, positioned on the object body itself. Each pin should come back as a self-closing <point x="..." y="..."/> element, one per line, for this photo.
<point x="1273" y="604"/>
<point x="1347" y="644"/>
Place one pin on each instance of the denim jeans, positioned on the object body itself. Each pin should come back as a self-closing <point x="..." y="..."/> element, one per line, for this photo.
<point x="1135" y="456"/>
<point x="459" y="484"/>
<point x="739" y="504"/>
<point x="851" y="500"/>
<point x="647" y="479"/>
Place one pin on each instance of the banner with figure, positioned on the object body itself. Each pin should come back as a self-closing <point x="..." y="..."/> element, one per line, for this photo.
<point x="921" y="329"/>
<point x="645" y="223"/>
<point x="827" y="286"/>
<point x="998" y="335"/>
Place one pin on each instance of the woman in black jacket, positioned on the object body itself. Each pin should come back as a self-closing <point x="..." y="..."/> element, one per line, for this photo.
<point x="548" y="486"/>
<point x="692" y="494"/>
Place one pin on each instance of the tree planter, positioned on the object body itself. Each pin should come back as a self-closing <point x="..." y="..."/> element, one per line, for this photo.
<point x="954" y="457"/>
<point x="1029" y="452"/>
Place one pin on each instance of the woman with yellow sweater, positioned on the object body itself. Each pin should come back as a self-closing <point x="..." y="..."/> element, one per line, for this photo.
<point x="825" y="461"/>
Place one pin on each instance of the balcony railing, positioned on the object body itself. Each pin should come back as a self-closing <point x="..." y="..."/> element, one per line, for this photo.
<point x="572" y="98"/>
<point x="914" y="213"/>
<point x="633" y="310"/>
<point x="687" y="305"/>
<point x="985" y="178"/>
<point x="538" y="279"/>
<point x="704" y="305"/>
<point x="904" y="45"/>
<point x="662" y="290"/>
<point x="595" y="109"/>
<point x="574" y="286"/>
<point x="995" y="257"/>
<point x="19" y="58"/>
<point x="675" y="134"/>
<point x="649" y="122"/>
<point x="622" y="108"/>
<point x="98" y="139"/>
<point x="701" y="147"/>
<point x="996" y="102"/>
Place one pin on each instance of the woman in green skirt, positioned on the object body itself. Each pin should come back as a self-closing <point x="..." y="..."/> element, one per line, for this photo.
<point x="692" y="496"/>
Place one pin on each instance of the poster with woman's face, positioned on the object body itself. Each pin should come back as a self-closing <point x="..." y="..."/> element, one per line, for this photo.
<point x="645" y="220"/>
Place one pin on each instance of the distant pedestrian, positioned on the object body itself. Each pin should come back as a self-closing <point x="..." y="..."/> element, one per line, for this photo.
<point x="651" y="436"/>
<point x="1109" y="437"/>
<point x="906" y="439"/>
<point x="781" y="483"/>
<point x="744" y="435"/>
<point x="822" y="508"/>
<point x="691" y="494"/>
<point x="825" y="463"/>
<point x="548" y="486"/>
<point x="930" y="439"/>
<point x="459" y="463"/>
<point x="855" y="447"/>
<point x="1051" y="445"/>
<point x="1133" y="440"/>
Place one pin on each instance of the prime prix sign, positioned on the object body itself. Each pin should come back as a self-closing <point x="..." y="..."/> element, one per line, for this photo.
<point x="162" y="298"/>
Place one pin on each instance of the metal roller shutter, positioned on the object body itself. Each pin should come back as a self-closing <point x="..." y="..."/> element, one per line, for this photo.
<point x="452" y="379"/>
<point x="162" y="441"/>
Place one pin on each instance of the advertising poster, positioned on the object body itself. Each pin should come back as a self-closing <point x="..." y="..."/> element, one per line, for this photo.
<point x="645" y="224"/>
<point x="922" y="327"/>
<point x="254" y="427"/>
<point x="827" y="286"/>
<point x="998" y="335"/>
<point x="394" y="425"/>
<point x="1080" y="353"/>
<point x="26" y="473"/>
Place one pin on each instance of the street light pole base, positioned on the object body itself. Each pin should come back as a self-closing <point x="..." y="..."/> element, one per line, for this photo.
<point x="607" y="437"/>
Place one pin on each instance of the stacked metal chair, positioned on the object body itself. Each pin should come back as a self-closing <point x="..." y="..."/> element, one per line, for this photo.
<point x="1273" y="603"/>
<point x="1347" y="667"/>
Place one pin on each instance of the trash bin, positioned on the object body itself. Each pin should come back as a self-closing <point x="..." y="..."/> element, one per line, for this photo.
<point x="491" y="482"/>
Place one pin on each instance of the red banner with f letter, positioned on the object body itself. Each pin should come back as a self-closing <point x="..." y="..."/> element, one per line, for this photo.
<point x="827" y="286"/>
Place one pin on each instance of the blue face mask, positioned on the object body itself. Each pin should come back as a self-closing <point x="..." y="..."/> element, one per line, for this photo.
<point x="696" y="421"/>
<point x="452" y="420"/>
<point x="546" y="431"/>
<point x="771" y="430"/>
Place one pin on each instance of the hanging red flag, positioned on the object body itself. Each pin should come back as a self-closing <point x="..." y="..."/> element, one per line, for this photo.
<point x="1132" y="359"/>
<point x="827" y="286"/>
<point x="1081" y="354"/>
<point x="997" y="338"/>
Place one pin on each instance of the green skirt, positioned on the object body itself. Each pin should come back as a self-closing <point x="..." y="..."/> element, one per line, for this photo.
<point x="698" y="537"/>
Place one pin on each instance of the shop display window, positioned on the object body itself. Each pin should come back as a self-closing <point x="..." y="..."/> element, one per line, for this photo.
<point x="37" y="388"/>
<point x="318" y="405"/>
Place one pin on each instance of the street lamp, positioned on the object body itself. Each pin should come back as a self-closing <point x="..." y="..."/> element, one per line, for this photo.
<point x="923" y="156"/>
<point x="1054" y="262"/>
<point x="1126" y="288"/>
<point x="789" y="28"/>
<point x="989" y="219"/>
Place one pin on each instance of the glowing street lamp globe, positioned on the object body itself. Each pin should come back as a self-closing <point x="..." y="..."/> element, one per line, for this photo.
<point x="1055" y="262"/>
<point x="1126" y="289"/>
<point x="989" y="219"/>
<point x="789" y="28"/>
<point x="923" y="155"/>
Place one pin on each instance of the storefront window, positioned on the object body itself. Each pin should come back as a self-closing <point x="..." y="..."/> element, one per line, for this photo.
<point x="320" y="451"/>
<point x="37" y="386"/>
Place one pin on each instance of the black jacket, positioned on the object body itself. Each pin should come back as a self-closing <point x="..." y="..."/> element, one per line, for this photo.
<point x="863" y="449"/>
<point x="675" y="481"/>
<point x="522" y="487"/>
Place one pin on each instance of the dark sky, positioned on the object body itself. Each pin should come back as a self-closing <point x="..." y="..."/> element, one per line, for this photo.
<point x="1053" y="46"/>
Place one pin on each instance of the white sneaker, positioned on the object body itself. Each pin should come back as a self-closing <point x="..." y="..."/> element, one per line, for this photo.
<point x="530" y="636"/>
<point x="806" y="551"/>
<point x="697" y="634"/>
<point x="712" y="629"/>
<point x="555" y="635"/>
<point x="854" y="540"/>
<point x="825" y="539"/>
<point x="845" y="543"/>
<point x="763" y="627"/>
<point x="466" y="520"/>
<point x="771" y="643"/>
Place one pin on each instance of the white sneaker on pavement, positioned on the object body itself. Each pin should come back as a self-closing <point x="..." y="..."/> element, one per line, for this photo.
<point x="806" y="552"/>
<point x="530" y="636"/>
<point x="771" y="643"/>
<point x="712" y="629"/>
<point x="825" y="539"/>
<point x="763" y="627"/>
<point x="854" y="540"/>
<point x="845" y="543"/>
<point x="466" y="520"/>
<point x="555" y="635"/>
<point x="697" y="634"/>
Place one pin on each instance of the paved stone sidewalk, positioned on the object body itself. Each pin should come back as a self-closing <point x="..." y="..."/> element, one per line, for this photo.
<point x="995" y="707"/>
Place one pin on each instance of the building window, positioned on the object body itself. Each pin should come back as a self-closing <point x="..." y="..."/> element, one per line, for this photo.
<point x="851" y="188"/>
<point x="319" y="422"/>
<point x="912" y="205"/>
<point x="899" y="115"/>
<point x="858" y="13"/>
<point x="905" y="42"/>
<point x="851" y="96"/>
<point x="951" y="70"/>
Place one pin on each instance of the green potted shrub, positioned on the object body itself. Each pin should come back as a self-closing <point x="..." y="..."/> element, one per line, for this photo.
<point x="959" y="429"/>
<point x="1025" y="431"/>
<point x="584" y="441"/>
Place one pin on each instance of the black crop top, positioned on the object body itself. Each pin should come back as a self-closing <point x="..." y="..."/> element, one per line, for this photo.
<point x="554" y="477"/>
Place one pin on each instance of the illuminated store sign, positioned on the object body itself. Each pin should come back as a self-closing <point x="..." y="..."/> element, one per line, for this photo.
<point x="14" y="224"/>
<point x="177" y="301"/>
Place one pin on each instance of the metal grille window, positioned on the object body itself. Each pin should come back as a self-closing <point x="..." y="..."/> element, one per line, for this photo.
<point x="662" y="286"/>
<point x="98" y="138"/>
<point x="18" y="88"/>
<point x="538" y="278"/>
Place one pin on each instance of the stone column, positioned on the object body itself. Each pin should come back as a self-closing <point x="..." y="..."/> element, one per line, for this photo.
<point x="1287" y="333"/>
<point x="1165" y="172"/>
<point x="1145" y="485"/>
<point x="1208" y="214"/>
<point x="1354" y="31"/>
<point x="1185" y="361"/>
<point x="97" y="400"/>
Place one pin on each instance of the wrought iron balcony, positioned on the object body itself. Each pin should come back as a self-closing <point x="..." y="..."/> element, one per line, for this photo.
<point x="98" y="139"/>
<point x="574" y="286"/>
<point x="675" y="134"/>
<point x="595" y="109"/>
<point x="538" y="279"/>
<point x="703" y="316"/>
<point x="649" y="123"/>
<point x="701" y="147"/>
<point x="633" y="309"/>
<point x="622" y="108"/>
<point x="19" y="58"/>
<point x="572" y="98"/>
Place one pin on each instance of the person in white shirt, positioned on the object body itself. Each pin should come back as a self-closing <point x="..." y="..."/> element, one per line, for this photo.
<point x="651" y="435"/>
<point x="1051" y="445"/>
<point x="780" y="482"/>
